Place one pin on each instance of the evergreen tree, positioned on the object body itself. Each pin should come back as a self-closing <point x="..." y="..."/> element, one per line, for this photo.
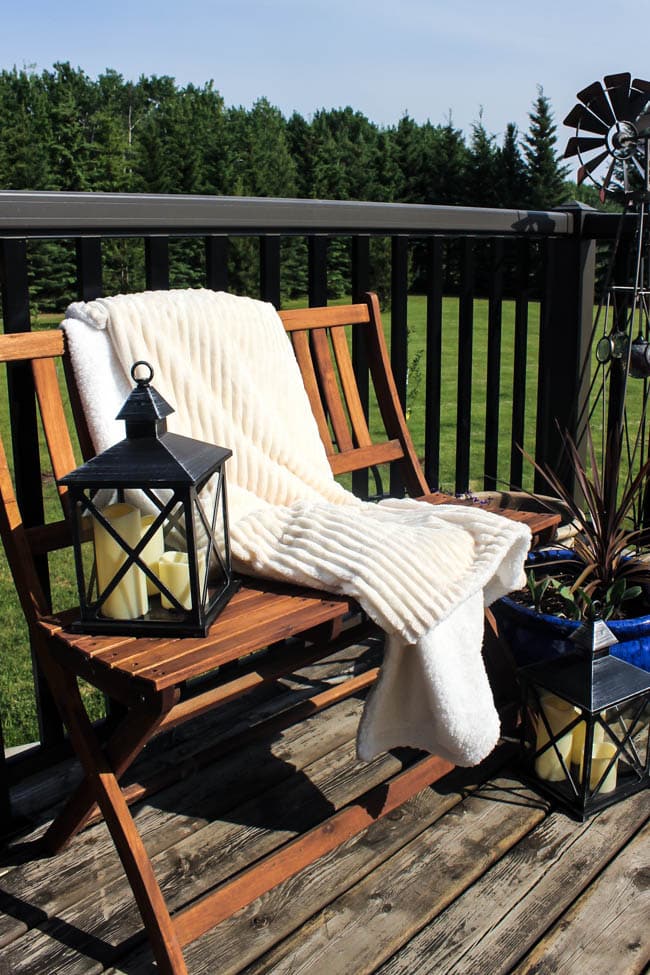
<point x="546" y="176"/>
<point x="481" y="168"/>
<point x="512" y="182"/>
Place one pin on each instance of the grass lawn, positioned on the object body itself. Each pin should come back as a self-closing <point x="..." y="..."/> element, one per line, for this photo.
<point x="16" y="690"/>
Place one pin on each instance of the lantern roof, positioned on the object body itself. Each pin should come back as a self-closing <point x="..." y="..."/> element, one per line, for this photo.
<point x="150" y="455"/>
<point x="156" y="461"/>
<point x="145" y="403"/>
<point x="591" y="682"/>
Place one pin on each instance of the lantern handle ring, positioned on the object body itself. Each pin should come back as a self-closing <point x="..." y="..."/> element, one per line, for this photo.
<point x="142" y="381"/>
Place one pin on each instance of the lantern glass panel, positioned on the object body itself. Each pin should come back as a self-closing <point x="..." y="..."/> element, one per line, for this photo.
<point x="586" y="758"/>
<point x="210" y="533"/>
<point x="628" y="727"/>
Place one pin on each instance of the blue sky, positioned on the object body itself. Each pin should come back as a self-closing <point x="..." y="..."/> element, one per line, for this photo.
<point x="424" y="57"/>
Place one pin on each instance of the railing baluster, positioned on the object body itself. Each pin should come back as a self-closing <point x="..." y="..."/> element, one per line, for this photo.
<point x="465" y="351"/>
<point x="493" y="377"/>
<point x="216" y="262"/>
<point x="565" y="330"/>
<point x="360" y="270"/>
<point x="270" y="268"/>
<point x="156" y="263"/>
<point x="89" y="268"/>
<point x="317" y="271"/>
<point x="399" y="333"/>
<point x="519" y="379"/>
<point x="433" y="373"/>
<point x="360" y="276"/>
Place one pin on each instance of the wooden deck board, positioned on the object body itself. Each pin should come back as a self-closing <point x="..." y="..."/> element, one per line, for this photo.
<point x="606" y="929"/>
<point x="500" y="918"/>
<point x="475" y="875"/>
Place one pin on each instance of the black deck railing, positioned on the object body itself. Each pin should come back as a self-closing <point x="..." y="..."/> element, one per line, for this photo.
<point x="524" y="256"/>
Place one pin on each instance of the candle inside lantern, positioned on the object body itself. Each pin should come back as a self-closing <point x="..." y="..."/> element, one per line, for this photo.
<point x="559" y="715"/>
<point x="578" y="754"/>
<point x="601" y="756"/>
<point x="129" y="598"/>
<point x="153" y="550"/>
<point x="174" y="572"/>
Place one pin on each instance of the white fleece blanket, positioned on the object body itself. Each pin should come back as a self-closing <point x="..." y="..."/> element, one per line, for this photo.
<point x="424" y="573"/>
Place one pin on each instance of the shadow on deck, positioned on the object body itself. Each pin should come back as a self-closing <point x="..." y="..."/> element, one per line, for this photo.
<point x="474" y="875"/>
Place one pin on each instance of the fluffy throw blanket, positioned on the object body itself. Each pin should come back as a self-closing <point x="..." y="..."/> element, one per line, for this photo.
<point x="424" y="573"/>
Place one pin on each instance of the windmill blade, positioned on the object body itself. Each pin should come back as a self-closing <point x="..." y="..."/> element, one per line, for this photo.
<point x="589" y="167"/>
<point x="579" y="144"/>
<point x="640" y="85"/>
<point x="635" y="106"/>
<point x="618" y="89"/>
<point x="581" y="118"/>
<point x="607" y="181"/>
<point x="594" y="97"/>
<point x="638" y="165"/>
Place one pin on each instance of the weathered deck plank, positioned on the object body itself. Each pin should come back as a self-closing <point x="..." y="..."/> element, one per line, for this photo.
<point x="473" y="876"/>
<point x="173" y="815"/>
<point x="606" y="930"/>
<point x="489" y="929"/>
<point x="255" y="929"/>
<point x="364" y="927"/>
<point x="100" y="925"/>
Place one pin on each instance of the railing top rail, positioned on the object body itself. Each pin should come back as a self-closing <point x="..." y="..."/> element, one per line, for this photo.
<point x="59" y="214"/>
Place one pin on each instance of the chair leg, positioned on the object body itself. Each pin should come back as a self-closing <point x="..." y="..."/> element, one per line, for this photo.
<point x="122" y="748"/>
<point x="102" y="787"/>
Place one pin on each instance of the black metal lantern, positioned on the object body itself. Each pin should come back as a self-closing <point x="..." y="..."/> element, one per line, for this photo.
<point x="586" y="724"/>
<point x="150" y="527"/>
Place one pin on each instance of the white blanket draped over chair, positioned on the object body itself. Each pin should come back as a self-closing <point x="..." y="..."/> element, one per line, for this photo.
<point x="424" y="573"/>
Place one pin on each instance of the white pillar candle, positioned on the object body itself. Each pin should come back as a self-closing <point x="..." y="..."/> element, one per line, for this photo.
<point x="129" y="599"/>
<point x="559" y="714"/>
<point x="578" y="754"/>
<point x="601" y="756"/>
<point x="174" y="572"/>
<point x="153" y="550"/>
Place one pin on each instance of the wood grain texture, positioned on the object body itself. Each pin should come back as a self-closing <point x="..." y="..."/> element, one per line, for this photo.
<point x="349" y="387"/>
<point x="322" y="839"/>
<point x="493" y="925"/>
<point x="365" y="926"/>
<point x="606" y="930"/>
<point x="247" y="935"/>
<point x="31" y="345"/>
<point x="330" y="316"/>
<point x="101" y="922"/>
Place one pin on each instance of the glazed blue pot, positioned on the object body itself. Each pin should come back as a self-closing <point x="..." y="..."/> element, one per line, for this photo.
<point x="535" y="637"/>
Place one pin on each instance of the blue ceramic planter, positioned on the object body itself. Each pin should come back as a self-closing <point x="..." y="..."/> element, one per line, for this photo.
<point x="534" y="637"/>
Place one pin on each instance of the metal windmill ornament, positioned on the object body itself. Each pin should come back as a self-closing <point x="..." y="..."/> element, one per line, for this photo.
<point x="612" y="124"/>
<point x="150" y="526"/>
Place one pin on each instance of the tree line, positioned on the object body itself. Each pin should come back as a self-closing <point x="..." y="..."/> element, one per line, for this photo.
<point x="63" y="130"/>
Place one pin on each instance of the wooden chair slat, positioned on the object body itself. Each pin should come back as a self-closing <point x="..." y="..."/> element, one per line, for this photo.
<point x="53" y="416"/>
<point x="350" y="387"/>
<point x="324" y="317"/>
<point x="357" y="459"/>
<point x="330" y="389"/>
<point x="300" y="340"/>
<point x="31" y="345"/>
<point x="228" y="629"/>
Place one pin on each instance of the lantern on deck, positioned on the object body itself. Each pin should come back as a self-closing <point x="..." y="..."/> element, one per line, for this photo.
<point x="586" y="723"/>
<point x="150" y="527"/>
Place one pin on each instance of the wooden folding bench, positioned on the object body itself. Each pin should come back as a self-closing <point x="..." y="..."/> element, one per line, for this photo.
<point x="148" y="678"/>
